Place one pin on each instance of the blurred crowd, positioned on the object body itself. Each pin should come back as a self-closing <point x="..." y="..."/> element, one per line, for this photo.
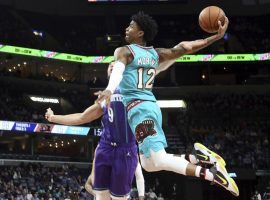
<point x="235" y="125"/>
<point x="37" y="182"/>
<point x="16" y="104"/>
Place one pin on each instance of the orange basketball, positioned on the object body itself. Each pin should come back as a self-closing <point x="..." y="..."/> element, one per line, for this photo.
<point x="209" y="17"/>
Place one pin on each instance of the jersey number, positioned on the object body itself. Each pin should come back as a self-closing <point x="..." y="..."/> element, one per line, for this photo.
<point x="149" y="82"/>
<point x="110" y="113"/>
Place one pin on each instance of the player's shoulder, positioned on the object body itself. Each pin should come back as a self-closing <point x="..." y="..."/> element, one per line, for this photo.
<point x="124" y="52"/>
<point x="122" y="49"/>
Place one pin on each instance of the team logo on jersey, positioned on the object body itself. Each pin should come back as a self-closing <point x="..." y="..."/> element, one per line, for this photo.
<point x="144" y="129"/>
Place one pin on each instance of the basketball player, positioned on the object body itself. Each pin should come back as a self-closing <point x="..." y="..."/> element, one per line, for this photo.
<point x="116" y="157"/>
<point x="134" y="71"/>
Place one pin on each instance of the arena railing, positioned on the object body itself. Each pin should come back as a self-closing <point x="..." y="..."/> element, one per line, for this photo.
<point x="108" y="59"/>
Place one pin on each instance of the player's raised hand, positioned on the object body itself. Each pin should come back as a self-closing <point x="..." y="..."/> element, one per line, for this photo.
<point x="49" y="114"/>
<point x="223" y="28"/>
<point x="103" y="95"/>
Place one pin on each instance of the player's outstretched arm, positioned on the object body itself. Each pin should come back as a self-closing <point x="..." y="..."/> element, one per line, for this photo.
<point x="188" y="47"/>
<point x="90" y="114"/>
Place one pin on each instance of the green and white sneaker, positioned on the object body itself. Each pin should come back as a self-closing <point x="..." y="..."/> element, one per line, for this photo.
<point x="222" y="178"/>
<point x="206" y="156"/>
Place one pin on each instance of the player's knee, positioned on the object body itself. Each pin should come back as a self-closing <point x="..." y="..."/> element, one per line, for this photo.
<point x="159" y="164"/>
<point x="89" y="185"/>
<point x="88" y="188"/>
<point x="144" y="166"/>
<point x="147" y="167"/>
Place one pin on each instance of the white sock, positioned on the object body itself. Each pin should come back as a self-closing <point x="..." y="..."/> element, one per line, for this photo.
<point x="198" y="170"/>
<point x="140" y="180"/>
<point x="190" y="158"/>
<point x="208" y="175"/>
<point x="193" y="159"/>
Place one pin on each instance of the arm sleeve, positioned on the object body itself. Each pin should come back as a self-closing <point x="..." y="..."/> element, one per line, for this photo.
<point x="116" y="76"/>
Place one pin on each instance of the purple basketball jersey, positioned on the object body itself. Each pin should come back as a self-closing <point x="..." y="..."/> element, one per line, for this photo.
<point x="115" y="127"/>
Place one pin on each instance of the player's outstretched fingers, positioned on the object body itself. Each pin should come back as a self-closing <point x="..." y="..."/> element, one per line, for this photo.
<point x="98" y="93"/>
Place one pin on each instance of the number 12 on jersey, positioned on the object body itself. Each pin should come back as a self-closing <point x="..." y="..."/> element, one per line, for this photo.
<point x="149" y="83"/>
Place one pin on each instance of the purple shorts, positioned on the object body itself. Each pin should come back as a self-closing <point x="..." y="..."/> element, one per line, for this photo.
<point x="115" y="168"/>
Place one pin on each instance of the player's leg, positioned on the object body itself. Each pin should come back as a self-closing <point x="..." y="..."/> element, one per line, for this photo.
<point x="102" y="171"/>
<point x="163" y="161"/>
<point x="140" y="181"/>
<point x="103" y="195"/>
<point x="216" y="174"/>
<point x="146" y="121"/>
<point x="89" y="184"/>
<point x="90" y="180"/>
<point x="125" y="162"/>
<point x="147" y="164"/>
<point x="175" y="163"/>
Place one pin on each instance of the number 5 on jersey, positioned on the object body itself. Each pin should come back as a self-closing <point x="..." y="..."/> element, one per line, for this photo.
<point x="149" y="83"/>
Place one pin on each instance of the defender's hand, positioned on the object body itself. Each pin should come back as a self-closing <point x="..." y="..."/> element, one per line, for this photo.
<point x="103" y="95"/>
<point x="49" y="114"/>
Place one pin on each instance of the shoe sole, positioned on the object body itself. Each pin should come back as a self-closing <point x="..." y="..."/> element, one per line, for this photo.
<point x="217" y="157"/>
<point x="235" y="187"/>
<point x="231" y="182"/>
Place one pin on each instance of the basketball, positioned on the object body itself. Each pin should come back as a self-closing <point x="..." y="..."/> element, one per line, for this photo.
<point x="209" y="17"/>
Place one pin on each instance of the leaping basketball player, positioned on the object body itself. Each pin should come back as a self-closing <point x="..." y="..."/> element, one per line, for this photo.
<point x="134" y="72"/>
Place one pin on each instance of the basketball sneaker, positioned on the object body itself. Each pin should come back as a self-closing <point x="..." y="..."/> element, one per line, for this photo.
<point x="222" y="178"/>
<point x="206" y="156"/>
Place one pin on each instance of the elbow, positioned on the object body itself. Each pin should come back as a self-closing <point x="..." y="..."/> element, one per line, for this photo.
<point x="158" y="71"/>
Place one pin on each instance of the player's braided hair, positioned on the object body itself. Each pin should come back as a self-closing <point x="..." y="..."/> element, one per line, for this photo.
<point x="147" y="24"/>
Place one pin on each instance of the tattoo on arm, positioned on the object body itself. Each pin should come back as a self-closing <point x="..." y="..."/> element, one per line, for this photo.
<point x="172" y="53"/>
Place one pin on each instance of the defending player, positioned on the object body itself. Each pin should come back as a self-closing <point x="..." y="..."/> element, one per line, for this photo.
<point x="116" y="157"/>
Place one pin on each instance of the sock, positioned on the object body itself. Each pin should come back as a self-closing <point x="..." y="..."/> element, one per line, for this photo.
<point x="191" y="158"/>
<point x="204" y="173"/>
<point x="140" y="180"/>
